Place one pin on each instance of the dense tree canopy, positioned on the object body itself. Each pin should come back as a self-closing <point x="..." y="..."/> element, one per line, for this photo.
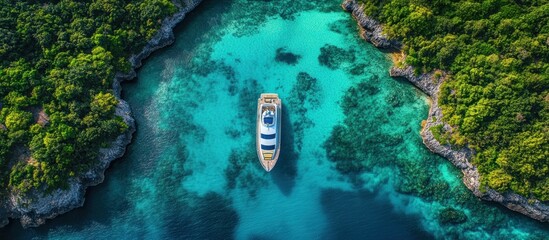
<point x="57" y="63"/>
<point x="497" y="96"/>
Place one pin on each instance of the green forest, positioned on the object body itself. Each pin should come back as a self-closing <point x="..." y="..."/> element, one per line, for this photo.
<point x="58" y="60"/>
<point x="496" y="97"/>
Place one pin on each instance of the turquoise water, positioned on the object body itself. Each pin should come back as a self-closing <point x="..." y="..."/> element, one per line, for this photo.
<point x="352" y="164"/>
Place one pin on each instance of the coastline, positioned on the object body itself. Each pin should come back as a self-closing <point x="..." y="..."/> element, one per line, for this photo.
<point x="34" y="211"/>
<point x="371" y="31"/>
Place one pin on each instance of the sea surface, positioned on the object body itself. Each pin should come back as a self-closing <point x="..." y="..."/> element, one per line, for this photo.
<point x="352" y="165"/>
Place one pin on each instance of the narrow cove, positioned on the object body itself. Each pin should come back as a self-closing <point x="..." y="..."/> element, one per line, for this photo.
<point x="192" y="172"/>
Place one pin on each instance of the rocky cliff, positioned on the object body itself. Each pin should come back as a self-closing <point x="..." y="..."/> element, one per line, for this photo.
<point x="34" y="209"/>
<point x="371" y="30"/>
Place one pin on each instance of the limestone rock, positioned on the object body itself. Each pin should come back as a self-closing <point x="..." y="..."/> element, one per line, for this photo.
<point x="370" y="29"/>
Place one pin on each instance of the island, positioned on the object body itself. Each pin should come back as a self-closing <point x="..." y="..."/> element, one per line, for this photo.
<point x="62" y="120"/>
<point x="485" y="67"/>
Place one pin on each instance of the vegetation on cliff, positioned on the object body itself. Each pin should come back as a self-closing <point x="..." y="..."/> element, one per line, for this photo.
<point x="57" y="63"/>
<point x="497" y="95"/>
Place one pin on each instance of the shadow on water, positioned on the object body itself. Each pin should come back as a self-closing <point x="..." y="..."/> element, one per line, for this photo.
<point x="285" y="171"/>
<point x="212" y="218"/>
<point x="361" y="215"/>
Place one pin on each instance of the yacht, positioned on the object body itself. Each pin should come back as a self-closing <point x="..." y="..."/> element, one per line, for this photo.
<point x="269" y="114"/>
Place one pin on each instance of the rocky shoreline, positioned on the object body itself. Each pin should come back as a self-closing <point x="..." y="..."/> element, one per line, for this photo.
<point x="34" y="211"/>
<point x="371" y="31"/>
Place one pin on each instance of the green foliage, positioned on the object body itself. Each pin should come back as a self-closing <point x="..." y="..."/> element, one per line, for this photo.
<point x="18" y="120"/>
<point x="58" y="59"/>
<point x="440" y="134"/>
<point x="103" y="104"/>
<point x="497" y="96"/>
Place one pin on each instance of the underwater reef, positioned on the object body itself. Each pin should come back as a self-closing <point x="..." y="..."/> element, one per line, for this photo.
<point x="333" y="57"/>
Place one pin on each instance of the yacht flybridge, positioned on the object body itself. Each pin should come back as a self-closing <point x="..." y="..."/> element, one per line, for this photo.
<point x="269" y="113"/>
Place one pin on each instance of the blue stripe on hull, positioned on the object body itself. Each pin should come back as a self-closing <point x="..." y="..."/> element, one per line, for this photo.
<point x="268" y="136"/>
<point x="267" y="147"/>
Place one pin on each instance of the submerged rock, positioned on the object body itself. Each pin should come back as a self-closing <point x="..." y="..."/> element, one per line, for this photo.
<point x="371" y="30"/>
<point x="332" y="56"/>
<point x="358" y="69"/>
<point x="451" y="216"/>
<point x="282" y="55"/>
<point x="303" y="96"/>
<point x="33" y="209"/>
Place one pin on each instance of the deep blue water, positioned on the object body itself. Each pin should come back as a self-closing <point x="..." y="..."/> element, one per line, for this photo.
<point x="192" y="171"/>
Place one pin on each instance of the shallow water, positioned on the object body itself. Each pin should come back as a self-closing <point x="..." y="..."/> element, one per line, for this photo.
<point x="192" y="171"/>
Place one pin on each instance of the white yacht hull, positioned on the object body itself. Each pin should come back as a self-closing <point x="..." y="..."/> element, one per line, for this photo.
<point x="269" y="114"/>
